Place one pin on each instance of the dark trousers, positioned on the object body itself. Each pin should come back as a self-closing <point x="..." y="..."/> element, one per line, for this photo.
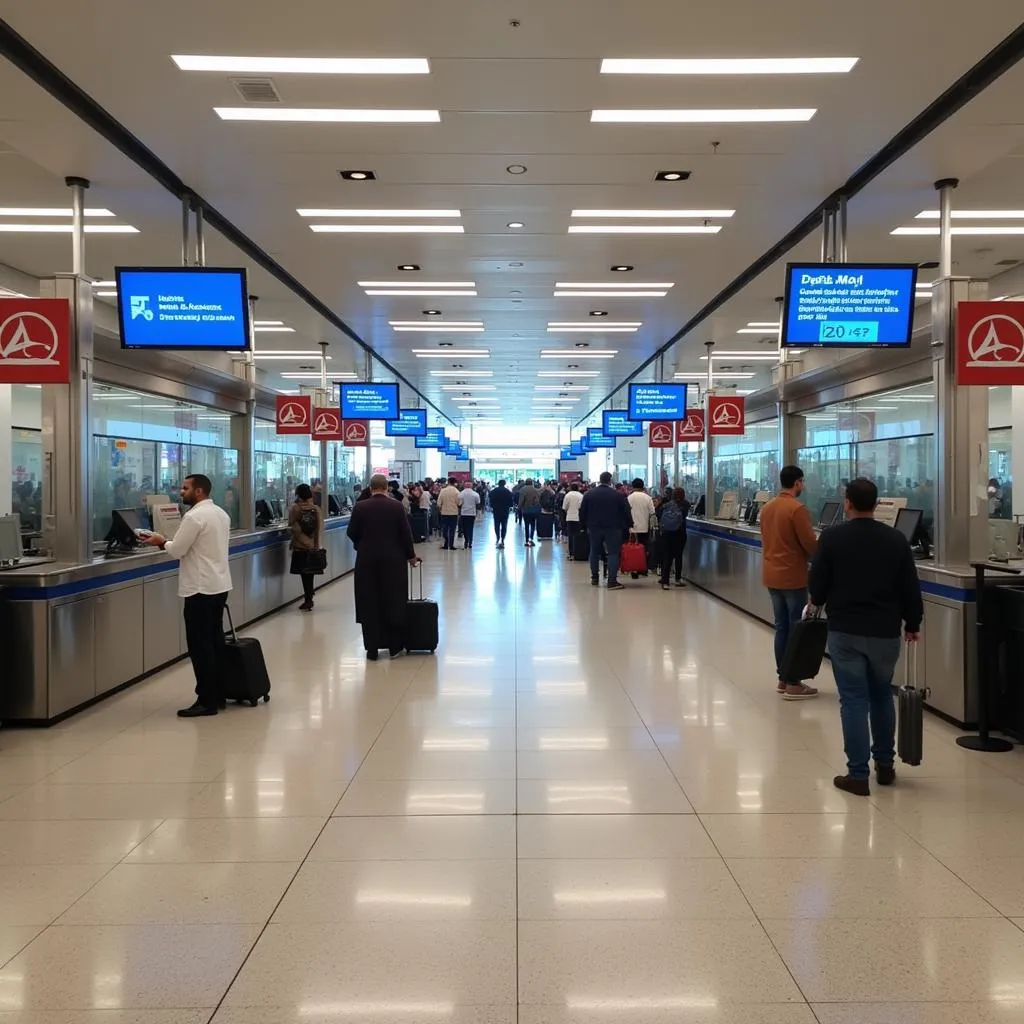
<point x="307" y="587"/>
<point x="787" y="607"/>
<point x="204" y="634"/>
<point x="530" y="521"/>
<point x="500" y="526"/>
<point x="672" y="545"/>
<point x="571" y="529"/>
<point x="448" y="526"/>
<point x="601" y="540"/>
<point x="468" y="526"/>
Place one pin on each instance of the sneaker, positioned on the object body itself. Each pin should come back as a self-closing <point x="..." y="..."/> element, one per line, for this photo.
<point x="858" y="787"/>
<point x="197" y="710"/>
<point x="680" y="583"/>
<point x="665" y="586"/>
<point x="799" y="691"/>
<point x="885" y="774"/>
<point x="616" y="586"/>
<point x="781" y="688"/>
<point x="594" y="581"/>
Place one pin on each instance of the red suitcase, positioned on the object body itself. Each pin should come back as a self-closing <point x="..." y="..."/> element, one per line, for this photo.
<point x="633" y="556"/>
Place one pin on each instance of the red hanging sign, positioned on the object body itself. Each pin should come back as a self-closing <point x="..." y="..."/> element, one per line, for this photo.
<point x="661" y="434"/>
<point x="327" y="425"/>
<point x="990" y="343"/>
<point x="35" y="341"/>
<point x="727" y="415"/>
<point x="692" y="428"/>
<point x="294" y="414"/>
<point x="356" y="433"/>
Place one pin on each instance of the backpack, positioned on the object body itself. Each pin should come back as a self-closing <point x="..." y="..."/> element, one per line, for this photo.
<point x="308" y="522"/>
<point x="671" y="517"/>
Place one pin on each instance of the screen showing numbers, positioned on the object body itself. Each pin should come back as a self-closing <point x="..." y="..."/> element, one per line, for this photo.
<point x="845" y="305"/>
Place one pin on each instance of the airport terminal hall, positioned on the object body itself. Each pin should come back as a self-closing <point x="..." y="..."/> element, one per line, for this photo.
<point x="570" y="447"/>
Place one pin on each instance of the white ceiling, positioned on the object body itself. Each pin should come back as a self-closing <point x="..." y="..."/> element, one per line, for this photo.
<point x="510" y="95"/>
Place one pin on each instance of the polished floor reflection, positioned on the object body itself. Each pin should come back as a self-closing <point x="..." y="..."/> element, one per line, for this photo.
<point x="589" y="807"/>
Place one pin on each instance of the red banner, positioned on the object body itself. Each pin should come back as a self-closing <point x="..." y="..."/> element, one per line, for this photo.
<point x="990" y="343"/>
<point x="356" y="433"/>
<point x="567" y="477"/>
<point x="294" y="414"/>
<point x="327" y="425"/>
<point x="35" y="341"/>
<point x="692" y="428"/>
<point x="727" y="415"/>
<point x="661" y="434"/>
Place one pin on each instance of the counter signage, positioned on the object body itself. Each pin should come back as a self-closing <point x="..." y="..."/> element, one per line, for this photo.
<point x="618" y="424"/>
<point x="989" y="343"/>
<point x="661" y="434"/>
<point x="327" y="425"/>
<point x="598" y="439"/>
<point x="410" y="423"/>
<point x="845" y="305"/>
<point x="356" y="433"/>
<point x="369" y="401"/>
<point x="433" y="438"/>
<point x="657" y="402"/>
<point x="294" y="414"/>
<point x="727" y="415"/>
<point x="691" y="428"/>
<point x="35" y="341"/>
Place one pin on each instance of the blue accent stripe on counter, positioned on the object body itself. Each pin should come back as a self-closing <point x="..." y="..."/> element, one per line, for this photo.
<point x="951" y="593"/>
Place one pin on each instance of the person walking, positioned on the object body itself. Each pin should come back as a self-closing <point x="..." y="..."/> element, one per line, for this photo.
<point x="605" y="514"/>
<point x="306" y="523"/>
<point x="571" y="510"/>
<point x="672" y="514"/>
<point x="787" y="543"/>
<point x="380" y="533"/>
<point x="204" y="580"/>
<point x="864" y="575"/>
<point x="641" y="509"/>
<point x="502" y="501"/>
<point x="529" y="510"/>
<point x="448" y="509"/>
<point x="469" y="502"/>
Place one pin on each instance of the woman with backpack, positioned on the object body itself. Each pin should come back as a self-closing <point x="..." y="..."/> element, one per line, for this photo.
<point x="672" y="513"/>
<point x="306" y="522"/>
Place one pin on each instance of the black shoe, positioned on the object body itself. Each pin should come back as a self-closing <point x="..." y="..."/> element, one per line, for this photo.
<point x="616" y="586"/>
<point x="858" y="787"/>
<point x="396" y="652"/>
<point x="594" y="581"/>
<point x="196" y="711"/>
<point x="372" y="655"/>
<point x="885" y="774"/>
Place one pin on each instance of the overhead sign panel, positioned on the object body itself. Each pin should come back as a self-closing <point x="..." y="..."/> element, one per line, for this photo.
<point x="368" y="401"/>
<point x="293" y="414"/>
<point x="657" y="402"/>
<point x="410" y="423"/>
<point x="661" y="434"/>
<point x="356" y="433"/>
<point x="846" y="305"/>
<point x="433" y="438"/>
<point x="598" y="439"/>
<point x="183" y="308"/>
<point x="692" y="428"/>
<point x="327" y="425"/>
<point x="35" y="341"/>
<point x="990" y="343"/>
<point x="577" y="450"/>
<point x="618" y="424"/>
<point x="726" y="415"/>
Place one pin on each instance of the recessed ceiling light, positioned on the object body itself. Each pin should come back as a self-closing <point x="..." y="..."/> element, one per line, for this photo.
<point x="725" y="115"/>
<point x="561" y="387"/>
<point x="972" y="214"/>
<point x="416" y="284"/>
<point x="672" y="176"/>
<point x="559" y="373"/>
<point x="582" y="344"/>
<point x="431" y="312"/>
<point x="644" y="229"/>
<point x="555" y="353"/>
<point x="304" y="65"/>
<point x="387" y="229"/>
<point x="621" y="268"/>
<point x="772" y="324"/>
<point x="654" y="214"/>
<point x="599" y="312"/>
<point x="49" y="211"/>
<point x="274" y="330"/>
<point x="408" y="267"/>
<point x="462" y="387"/>
<point x="728" y="66"/>
<point x="515" y="224"/>
<point x="66" y="229"/>
<point x="744" y="357"/>
<point x="358" y="175"/>
<point x="579" y="327"/>
<point x="328" y="115"/>
<point x="516" y="264"/>
<point x="993" y="230"/>
<point x="306" y="212"/>
<point x="516" y="168"/>
<point x="718" y="376"/>
<point x="445" y="344"/>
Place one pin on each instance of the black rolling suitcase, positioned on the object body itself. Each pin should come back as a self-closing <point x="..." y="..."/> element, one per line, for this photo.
<point x="545" y="526"/>
<point x="805" y="649"/>
<point x="420" y="522"/>
<point x="580" y="546"/>
<point x="246" y="677"/>
<point x="910" y="700"/>
<point x="421" y="632"/>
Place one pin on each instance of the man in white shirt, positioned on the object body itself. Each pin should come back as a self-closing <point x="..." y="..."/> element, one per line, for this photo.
<point x="571" y="507"/>
<point x="641" y="508"/>
<point x="448" y="508"/>
<point x="469" y="502"/>
<point x="204" y="580"/>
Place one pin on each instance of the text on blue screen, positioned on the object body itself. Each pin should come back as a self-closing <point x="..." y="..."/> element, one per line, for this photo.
<point x="618" y="424"/>
<point x="410" y="423"/>
<point x="369" y="401"/>
<point x="657" y="402"/>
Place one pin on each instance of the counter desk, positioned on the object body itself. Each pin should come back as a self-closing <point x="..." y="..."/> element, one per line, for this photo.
<point x="70" y="634"/>
<point x="724" y="558"/>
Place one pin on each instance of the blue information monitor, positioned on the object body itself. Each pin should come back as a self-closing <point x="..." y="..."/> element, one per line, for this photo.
<point x="576" y="449"/>
<point x="433" y="438"/>
<point x="369" y="401"/>
<point x="410" y="423"/>
<point x="454" y="448"/>
<point x="657" y="402"/>
<point x="846" y="305"/>
<point x="597" y="439"/>
<point x="183" y="308"/>
<point x="566" y="453"/>
<point x="618" y="424"/>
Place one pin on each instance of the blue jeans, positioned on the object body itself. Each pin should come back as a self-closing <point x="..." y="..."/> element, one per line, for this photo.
<point x="863" y="667"/>
<point x="605" y="539"/>
<point x="787" y="607"/>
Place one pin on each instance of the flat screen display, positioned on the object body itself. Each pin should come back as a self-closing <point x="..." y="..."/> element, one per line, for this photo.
<point x="565" y="453"/>
<point x="599" y="439"/>
<point x="829" y="512"/>
<point x="183" y="308"/>
<point x="454" y="448"/>
<point x="657" y="402"/>
<point x="576" y="450"/>
<point x="907" y="522"/>
<point x="369" y="401"/>
<point x="433" y="438"/>
<point x="618" y="424"/>
<point x="410" y="423"/>
<point x="846" y="305"/>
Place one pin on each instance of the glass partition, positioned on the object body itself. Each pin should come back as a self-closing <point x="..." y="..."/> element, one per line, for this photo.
<point x="27" y="477"/>
<point x="746" y="464"/>
<point x="691" y="470"/>
<point x="281" y="462"/>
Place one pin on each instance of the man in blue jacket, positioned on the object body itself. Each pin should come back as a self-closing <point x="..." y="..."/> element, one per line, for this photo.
<point x="605" y="515"/>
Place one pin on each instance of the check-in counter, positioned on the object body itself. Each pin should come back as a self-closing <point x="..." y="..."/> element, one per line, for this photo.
<point x="70" y="634"/>
<point x="724" y="559"/>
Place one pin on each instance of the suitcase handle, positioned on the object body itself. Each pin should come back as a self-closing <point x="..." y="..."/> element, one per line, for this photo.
<point x="231" y="625"/>
<point x="419" y="565"/>
<point x="910" y="669"/>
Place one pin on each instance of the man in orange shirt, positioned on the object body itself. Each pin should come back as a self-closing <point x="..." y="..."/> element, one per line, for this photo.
<point x="787" y="542"/>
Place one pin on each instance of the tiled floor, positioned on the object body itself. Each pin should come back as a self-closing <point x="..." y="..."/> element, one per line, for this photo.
<point x="589" y="807"/>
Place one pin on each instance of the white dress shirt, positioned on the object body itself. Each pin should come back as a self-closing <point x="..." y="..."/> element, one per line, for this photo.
<point x="571" y="504"/>
<point x="468" y="501"/>
<point x="641" y="505"/>
<point x="201" y="547"/>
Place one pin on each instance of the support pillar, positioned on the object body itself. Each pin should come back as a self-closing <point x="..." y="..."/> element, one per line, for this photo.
<point x="709" y="480"/>
<point x="325" y="398"/>
<point x="243" y="434"/>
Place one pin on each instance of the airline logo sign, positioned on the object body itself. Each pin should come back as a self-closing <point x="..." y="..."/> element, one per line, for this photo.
<point x="327" y="425"/>
<point x="661" y="434"/>
<point x="990" y="343"/>
<point x="294" y="414"/>
<point x="35" y="341"/>
<point x="356" y="433"/>
<point x="727" y="415"/>
<point x="692" y="428"/>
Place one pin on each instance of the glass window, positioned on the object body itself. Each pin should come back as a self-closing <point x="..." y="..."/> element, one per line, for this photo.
<point x="691" y="469"/>
<point x="27" y="477"/>
<point x="827" y="469"/>
<point x="1000" y="474"/>
<point x="746" y="464"/>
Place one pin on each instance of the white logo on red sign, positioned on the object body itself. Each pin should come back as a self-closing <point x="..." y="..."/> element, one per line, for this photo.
<point x="29" y="339"/>
<point x="327" y="423"/>
<point x="293" y="414"/>
<point x="661" y="433"/>
<point x="727" y="414"/>
<point x="355" y="432"/>
<point x="996" y="340"/>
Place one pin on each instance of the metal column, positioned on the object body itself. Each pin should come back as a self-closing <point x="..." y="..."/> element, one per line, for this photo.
<point x="186" y="230"/>
<point x="200" y="237"/>
<point x="325" y="398"/>
<point x="709" y="481"/>
<point x="243" y="435"/>
<point x="961" y="428"/>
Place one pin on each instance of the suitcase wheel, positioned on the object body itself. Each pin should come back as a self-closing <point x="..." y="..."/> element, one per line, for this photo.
<point x="253" y="702"/>
<point x="266" y="698"/>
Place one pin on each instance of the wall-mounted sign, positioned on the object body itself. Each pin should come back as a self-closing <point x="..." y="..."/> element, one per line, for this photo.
<point x="618" y="424"/>
<point x="356" y="433"/>
<point x="35" y="341"/>
<point x="990" y="343"/>
<point x="327" y="425"/>
<point x="726" y="415"/>
<point x="433" y="438"/>
<point x="692" y="428"/>
<point x="657" y="402"/>
<point x="294" y="414"/>
<point x="410" y="423"/>
<point x="369" y="401"/>
<point x="661" y="434"/>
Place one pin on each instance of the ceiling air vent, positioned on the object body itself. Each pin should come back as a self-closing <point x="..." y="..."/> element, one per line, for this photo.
<point x="256" y="90"/>
<point x="1007" y="263"/>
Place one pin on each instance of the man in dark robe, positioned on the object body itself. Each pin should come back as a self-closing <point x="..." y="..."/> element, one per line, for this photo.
<point x="380" y="532"/>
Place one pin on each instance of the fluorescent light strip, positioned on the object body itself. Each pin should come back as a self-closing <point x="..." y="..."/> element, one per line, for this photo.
<point x="274" y="330"/>
<point x="728" y="66"/>
<point x="615" y="285"/>
<point x="654" y="214"/>
<point x="609" y="295"/>
<point x="759" y="330"/>
<point x="644" y="229"/>
<point x="765" y="323"/>
<point x="469" y="388"/>
<point x="66" y="229"/>
<point x="577" y="355"/>
<point x="561" y="387"/>
<point x="568" y="373"/>
<point x="441" y="329"/>
<point x="717" y="376"/>
<point x="387" y="229"/>
<point x="316" y="376"/>
<point x="104" y="284"/>
<point x="462" y="373"/>
<point x="379" y="213"/>
<point x="106" y="295"/>
<point x="49" y="211"/>
<point x="448" y="353"/>
<point x="751" y="356"/>
<point x="304" y="65"/>
<point x="268" y="323"/>
<point x="742" y="115"/>
<point x="555" y="401"/>
<point x="971" y="214"/>
<point x="418" y="291"/>
<point x="328" y="115"/>
<point x="416" y="284"/>
<point x="290" y="356"/>
<point x="993" y="230"/>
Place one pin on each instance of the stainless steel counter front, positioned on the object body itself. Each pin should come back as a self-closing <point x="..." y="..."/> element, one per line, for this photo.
<point x="72" y="633"/>
<point x="725" y="560"/>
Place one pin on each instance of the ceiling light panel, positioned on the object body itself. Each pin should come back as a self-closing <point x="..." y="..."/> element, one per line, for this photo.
<point x="447" y="353"/>
<point x="743" y="115"/>
<point x="331" y="375"/>
<point x="469" y="388"/>
<point x="66" y="229"/>
<point x="596" y="327"/>
<point x="993" y="229"/>
<point x="409" y="214"/>
<point x="571" y="353"/>
<point x="644" y="229"/>
<point x="462" y="373"/>
<point x="49" y="211"/>
<point x="621" y="293"/>
<point x="717" y="376"/>
<point x="561" y="387"/>
<point x="387" y="229"/>
<point x="974" y="215"/>
<point x="304" y="65"/>
<point x="416" y="284"/>
<point x="752" y="357"/>
<point x="438" y="327"/>
<point x="653" y="214"/>
<point x="328" y="115"/>
<point x="274" y="330"/>
<point x="617" y="285"/>
<point x="765" y="323"/>
<point x="729" y="66"/>
<point x="568" y="373"/>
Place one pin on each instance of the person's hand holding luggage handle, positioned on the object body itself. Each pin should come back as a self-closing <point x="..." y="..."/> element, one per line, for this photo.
<point x="414" y="561"/>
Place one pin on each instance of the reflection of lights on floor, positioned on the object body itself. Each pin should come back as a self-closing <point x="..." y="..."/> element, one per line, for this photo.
<point x="576" y="794"/>
<point x="575" y="688"/>
<point x="412" y="899"/>
<point x="456" y="690"/>
<point x="453" y="803"/>
<point x="573" y="743"/>
<point x="329" y="1010"/>
<point x="615" y="1004"/>
<point x="455" y="743"/>
<point x="12" y="991"/>
<point x="611" y="896"/>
